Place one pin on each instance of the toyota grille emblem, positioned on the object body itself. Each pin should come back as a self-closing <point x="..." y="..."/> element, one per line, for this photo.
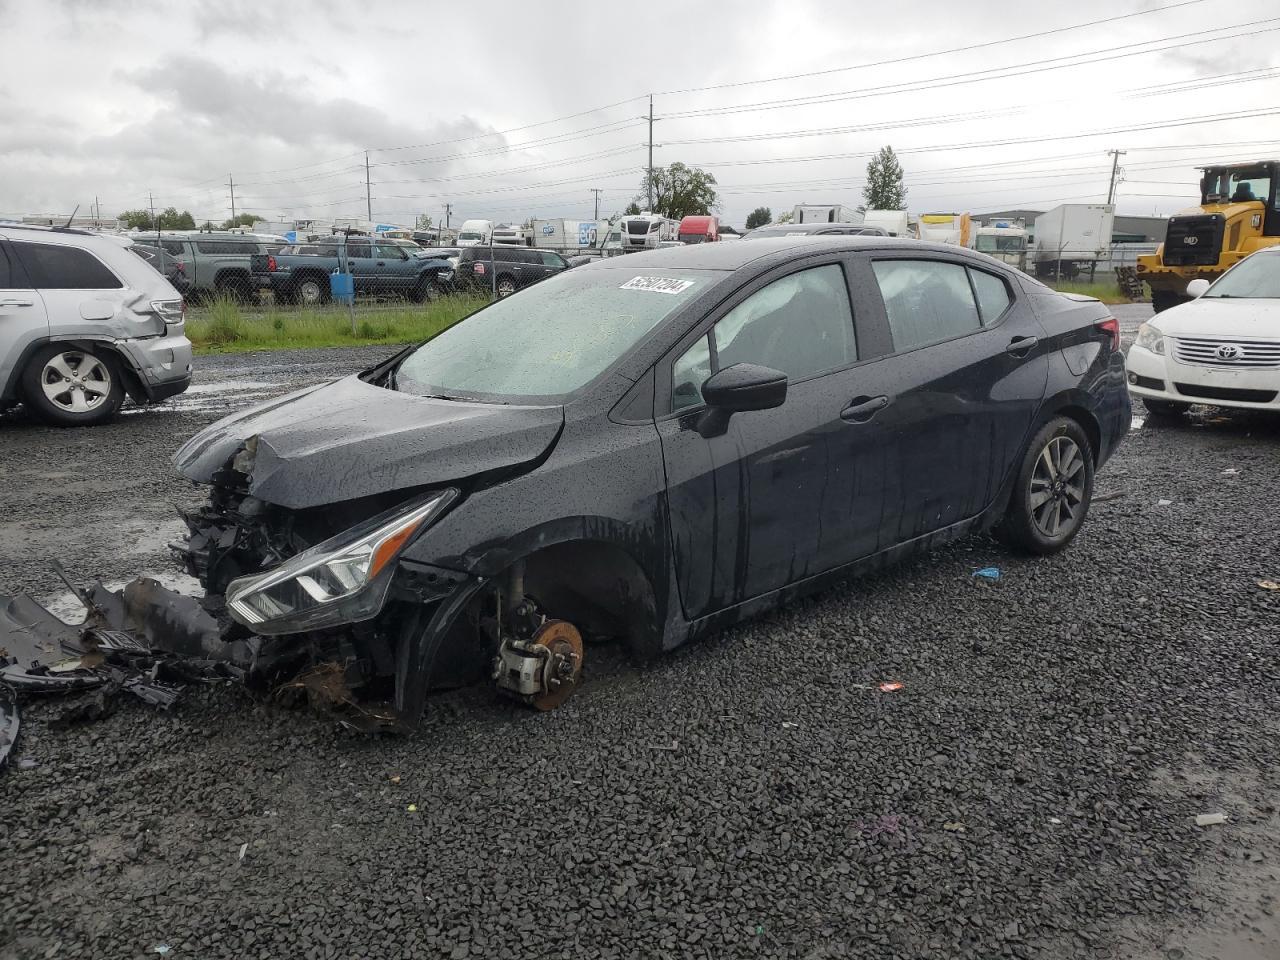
<point x="1229" y="351"/>
<point x="1190" y="241"/>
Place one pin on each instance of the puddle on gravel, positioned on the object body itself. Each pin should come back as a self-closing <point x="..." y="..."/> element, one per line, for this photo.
<point x="61" y="603"/>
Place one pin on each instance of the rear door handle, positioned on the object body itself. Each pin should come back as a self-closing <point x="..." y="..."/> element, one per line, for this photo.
<point x="863" y="409"/>
<point x="1021" y="346"/>
<point x="17" y="303"/>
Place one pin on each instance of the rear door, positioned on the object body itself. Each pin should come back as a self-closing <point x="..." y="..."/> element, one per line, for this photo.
<point x="753" y="509"/>
<point x="23" y="319"/>
<point x="963" y="380"/>
<point x="363" y="272"/>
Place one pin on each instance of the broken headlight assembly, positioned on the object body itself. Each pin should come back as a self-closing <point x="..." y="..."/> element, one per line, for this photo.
<point x="342" y="580"/>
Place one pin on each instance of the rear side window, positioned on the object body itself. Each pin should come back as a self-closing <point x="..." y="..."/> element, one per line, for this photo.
<point x="993" y="295"/>
<point x="926" y="301"/>
<point x="175" y="248"/>
<point x="226" y="247"/>
<point x="6" y="275"/>
<point x="53" y="267"/>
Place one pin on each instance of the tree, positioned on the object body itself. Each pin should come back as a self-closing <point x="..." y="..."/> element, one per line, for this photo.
<point x="785" y="217"/>
<point x="884" y="189"/>
<point x="759" y="217"/>
<point x="679" y="191"/>
<point x="241" y="220"/>
<point x="208" y="225"/>
<point x="170" y="219"/>
<point x="422" y="222"/>
<point x="136" y="219"/>
<point x="633" y="210"/>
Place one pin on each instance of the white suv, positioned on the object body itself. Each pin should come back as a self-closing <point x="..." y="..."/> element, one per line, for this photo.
<point x="83" y="322"/>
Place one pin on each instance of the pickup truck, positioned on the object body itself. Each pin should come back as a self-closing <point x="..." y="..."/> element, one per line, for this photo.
<point x="215" y="264"/>
<point x="299" y="273"/>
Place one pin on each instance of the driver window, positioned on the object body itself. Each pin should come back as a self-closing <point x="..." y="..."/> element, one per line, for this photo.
<point x="801" y="325"/>
<point x="389" y="251"/>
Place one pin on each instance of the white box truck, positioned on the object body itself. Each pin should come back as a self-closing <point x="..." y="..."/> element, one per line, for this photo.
<point x="893" y="222"/>
<point x="824" y="213"/>
<point x="569" y="236"/>
<point x="1072" y="236"/>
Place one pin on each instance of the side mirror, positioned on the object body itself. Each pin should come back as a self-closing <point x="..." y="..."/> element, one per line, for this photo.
<point x="739" y="388"/>
<point x="1197" y="287"/>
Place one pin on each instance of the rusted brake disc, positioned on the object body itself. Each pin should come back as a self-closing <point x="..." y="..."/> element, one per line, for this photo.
<point x="563" y="668"/>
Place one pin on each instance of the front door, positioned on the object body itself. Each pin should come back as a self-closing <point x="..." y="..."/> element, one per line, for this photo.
<point x="23" y="319"/>
<point x="751" y="509"/>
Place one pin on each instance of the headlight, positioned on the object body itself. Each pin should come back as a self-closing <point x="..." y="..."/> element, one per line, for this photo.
<point x="343" y="580"/>
<point x="1150" y="338"/>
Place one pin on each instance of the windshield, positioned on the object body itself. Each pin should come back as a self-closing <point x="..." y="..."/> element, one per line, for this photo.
<point x="1256" y="277"/>
<point x="550" y="339"/>
<point x="468" y="235"/>
<point x="1236" y="186"/>
<point x="693" y="238"/>
<point x="995" y="243"/>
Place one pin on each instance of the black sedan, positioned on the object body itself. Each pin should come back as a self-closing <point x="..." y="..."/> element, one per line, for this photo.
<point x="650" y="447"/>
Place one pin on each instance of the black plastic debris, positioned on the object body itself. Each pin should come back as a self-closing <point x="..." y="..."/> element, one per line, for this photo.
<point x="144" y="640"/>
<point x="8" y="722"/>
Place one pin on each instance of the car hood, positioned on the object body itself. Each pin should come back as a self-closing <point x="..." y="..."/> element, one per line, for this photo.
<point x="349" y="439"/>
<point x="1222" y="317"/>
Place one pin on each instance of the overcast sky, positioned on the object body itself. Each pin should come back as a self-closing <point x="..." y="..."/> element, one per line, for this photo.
<point x="116" y="98"/>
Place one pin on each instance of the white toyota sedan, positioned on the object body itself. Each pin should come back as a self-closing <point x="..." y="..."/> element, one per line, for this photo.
<point x="1222" y="348"/>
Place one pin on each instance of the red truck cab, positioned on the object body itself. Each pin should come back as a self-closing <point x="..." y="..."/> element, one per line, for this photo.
<point x="699" y="230"/>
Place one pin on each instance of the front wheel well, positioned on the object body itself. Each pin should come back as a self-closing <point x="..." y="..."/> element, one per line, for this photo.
<point x="598" y="587"/>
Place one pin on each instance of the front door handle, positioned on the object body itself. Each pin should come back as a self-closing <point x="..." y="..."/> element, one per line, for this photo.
<point x="17" y="303"/>
<point x="863" y="409"/>
<point x="1021" y="346"/>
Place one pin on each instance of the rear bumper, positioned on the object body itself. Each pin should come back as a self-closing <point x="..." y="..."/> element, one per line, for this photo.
<point x="162" y="364"/>
<point x="1161" y="377"/>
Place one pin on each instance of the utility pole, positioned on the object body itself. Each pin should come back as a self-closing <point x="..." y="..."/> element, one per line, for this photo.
<point x="231" y="185"/>
<point x="1115" y="169"/>
<point x="596" y="191"/>
<point x="97" y="213"/>
<point x="368" y="200"/>
<point x="448" y="212"/>
<point x="151" y="202"/>
<point x="649" y="179"/>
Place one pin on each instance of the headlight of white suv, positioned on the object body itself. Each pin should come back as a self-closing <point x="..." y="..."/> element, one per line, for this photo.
<point x="1150" y="338"/>
<point x="342" y="580"/>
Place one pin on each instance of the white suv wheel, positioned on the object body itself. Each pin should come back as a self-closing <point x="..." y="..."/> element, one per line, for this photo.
<point x="75" y="381"/>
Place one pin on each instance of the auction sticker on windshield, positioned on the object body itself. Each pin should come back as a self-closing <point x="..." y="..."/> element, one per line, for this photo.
<point x="657" y="284"/>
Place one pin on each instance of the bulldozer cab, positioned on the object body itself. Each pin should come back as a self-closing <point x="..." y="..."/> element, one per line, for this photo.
<point x="1245" y="183"/>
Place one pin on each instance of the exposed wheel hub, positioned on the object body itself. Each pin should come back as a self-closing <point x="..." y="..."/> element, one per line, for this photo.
<point x="544" y="670"/>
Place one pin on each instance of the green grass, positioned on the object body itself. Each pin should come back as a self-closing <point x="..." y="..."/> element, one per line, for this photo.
<point x="224" y="326"/>
<point x="1106" y="291"/>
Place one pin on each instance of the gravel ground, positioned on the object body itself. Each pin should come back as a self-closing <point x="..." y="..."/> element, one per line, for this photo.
<point x="1029" y="792"/>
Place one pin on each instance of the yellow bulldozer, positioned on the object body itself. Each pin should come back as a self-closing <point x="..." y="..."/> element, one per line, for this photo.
<point x="1239" y="213"/>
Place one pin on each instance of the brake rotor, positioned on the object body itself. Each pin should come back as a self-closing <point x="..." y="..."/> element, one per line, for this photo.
<point x="563" y="669"/>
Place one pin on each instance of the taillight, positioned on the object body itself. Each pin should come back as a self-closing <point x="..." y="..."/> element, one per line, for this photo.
<point x="479" y="268"/>
<point x="1110" y="326"/>
<point x="271" y="263"/>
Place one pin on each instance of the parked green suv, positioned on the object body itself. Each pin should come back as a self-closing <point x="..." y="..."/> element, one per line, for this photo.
<point x="217" y="262"/>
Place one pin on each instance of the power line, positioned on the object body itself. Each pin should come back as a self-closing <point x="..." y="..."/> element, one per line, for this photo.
<point x="976" y="76"/>
<point x="934" y="53"/>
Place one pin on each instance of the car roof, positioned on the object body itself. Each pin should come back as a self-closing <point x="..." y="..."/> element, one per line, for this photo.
<point x="732" y="256"/>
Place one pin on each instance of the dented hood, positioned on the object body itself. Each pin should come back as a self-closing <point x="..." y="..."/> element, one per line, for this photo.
<point x="350" y="439"/>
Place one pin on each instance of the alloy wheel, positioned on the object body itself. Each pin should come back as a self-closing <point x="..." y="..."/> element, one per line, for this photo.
<point x="75" y="381"/>
<point x="1056" y="494"/>
<point x="309" y="292"/>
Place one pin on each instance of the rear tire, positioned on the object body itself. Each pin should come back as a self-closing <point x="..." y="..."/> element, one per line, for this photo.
<point x="1165" y="408"/>
<point x="68" y="386"/>
<point x="310" y="292"/>
<point x="1052" y="492"/>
